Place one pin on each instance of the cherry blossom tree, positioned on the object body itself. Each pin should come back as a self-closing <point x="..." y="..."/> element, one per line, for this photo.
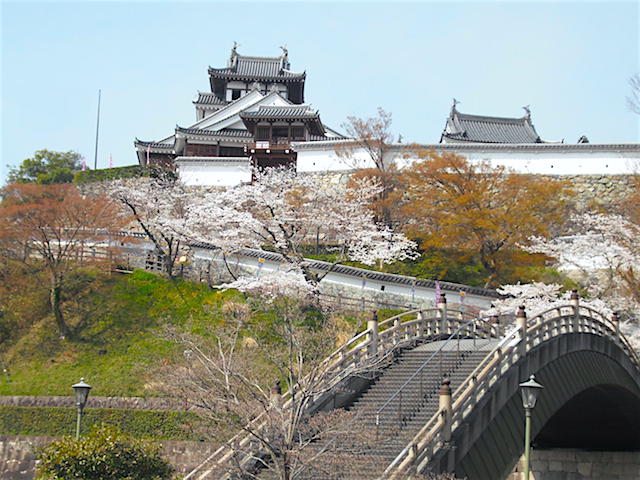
<point x="285" y="212"/>
<point x="157" y="206"/>
<point x="537" y="297"/>
<point x="603" y="255"/>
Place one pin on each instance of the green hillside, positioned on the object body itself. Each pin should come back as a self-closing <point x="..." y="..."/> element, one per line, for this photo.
<point x="119" y="339"/>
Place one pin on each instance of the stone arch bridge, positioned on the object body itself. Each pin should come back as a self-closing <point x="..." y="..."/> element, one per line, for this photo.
<point x="473" y="424"/>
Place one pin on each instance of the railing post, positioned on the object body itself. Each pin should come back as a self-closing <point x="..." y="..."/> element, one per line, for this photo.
<point x="615" y="319"/>
<point x="442" y="307"/>
<point x="575" y="302"/>
<point x="422" y="328"/>
<point x="372" y="328"/>
<point x="396" y="333"/>
<point x="495" y="324"/>
<point x="521" y="322"/>
<point x="445" y="408"/>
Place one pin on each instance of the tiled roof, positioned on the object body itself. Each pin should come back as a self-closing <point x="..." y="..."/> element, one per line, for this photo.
<point x="226" y="132"/>
<point x="300" y="112"/>
<point x="155" y="145"/>
<point x="462" y="127"/>
<point x="208" y="98"/>
<point x="257" y="68"/>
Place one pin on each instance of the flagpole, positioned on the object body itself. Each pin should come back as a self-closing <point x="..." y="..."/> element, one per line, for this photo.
<point x="95" y="157"/>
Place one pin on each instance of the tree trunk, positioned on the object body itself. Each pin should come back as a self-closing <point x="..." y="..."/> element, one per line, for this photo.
<point x="492" y="269"/>
<point x="168" y="265"/>
<point x="54" y="300"/>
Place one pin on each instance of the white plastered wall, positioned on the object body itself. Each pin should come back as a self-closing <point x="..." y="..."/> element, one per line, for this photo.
<point x="584" y="162"/>
<point x="214" y="172"/>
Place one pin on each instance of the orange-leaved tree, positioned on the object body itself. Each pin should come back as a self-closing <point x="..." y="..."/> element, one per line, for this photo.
<point x="54" y="228"/>
<point x="478" y="209"/>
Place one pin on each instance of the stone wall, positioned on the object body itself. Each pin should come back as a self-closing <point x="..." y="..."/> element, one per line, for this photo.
<point x="17" y="461"/>
<point x="608" y="191"/>
<point x="590" y="190"/>
<point x="567" y="464"/>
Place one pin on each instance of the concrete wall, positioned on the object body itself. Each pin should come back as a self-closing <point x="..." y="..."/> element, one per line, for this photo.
<point x="569" y="464"/>
<point x="17" y="461"/>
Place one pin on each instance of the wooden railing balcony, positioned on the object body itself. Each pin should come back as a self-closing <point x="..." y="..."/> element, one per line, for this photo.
<point x="273" y="144"/>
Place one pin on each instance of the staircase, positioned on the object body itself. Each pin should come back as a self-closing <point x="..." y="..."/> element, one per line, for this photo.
<point x="383" y="434"/>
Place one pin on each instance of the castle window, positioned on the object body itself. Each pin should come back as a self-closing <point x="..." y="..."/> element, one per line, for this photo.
<point x="280" y="132"/>
<point x="262" y="133"/>
<point x="231" y="151"/>
<point x="297" y="133"/>
<point x="235" y="94"/>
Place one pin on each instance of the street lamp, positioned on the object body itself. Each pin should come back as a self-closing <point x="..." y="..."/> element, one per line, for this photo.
<point x="530" y="391"/>
<point x="82" y="394"/>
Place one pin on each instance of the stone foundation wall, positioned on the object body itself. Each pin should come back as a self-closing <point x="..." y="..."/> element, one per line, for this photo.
<point x="17" y="461"/>
<point x="608" y="191"/>
<point x="566" y="464"/>
<point x="591" y="190"/>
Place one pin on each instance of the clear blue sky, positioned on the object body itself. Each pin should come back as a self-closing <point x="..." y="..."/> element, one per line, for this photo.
<point x="570" y="61"/>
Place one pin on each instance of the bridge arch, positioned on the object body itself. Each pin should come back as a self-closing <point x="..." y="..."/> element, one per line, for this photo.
<point x="576" y="370"/>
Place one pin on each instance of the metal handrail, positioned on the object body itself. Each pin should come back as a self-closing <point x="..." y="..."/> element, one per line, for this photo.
<point x="420" y="370"/>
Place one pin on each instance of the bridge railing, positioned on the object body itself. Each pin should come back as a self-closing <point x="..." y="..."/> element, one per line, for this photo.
<point x="374" y="346"/>
<point x="475" y="329"/>
<point x="572" y="318"/>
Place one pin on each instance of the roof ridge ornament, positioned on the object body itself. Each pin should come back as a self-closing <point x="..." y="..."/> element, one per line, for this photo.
<point x="527" y="111"/>
<point x="285" y="57"/>
<point x="455" y="102"/>
<point x="233" y="59"/>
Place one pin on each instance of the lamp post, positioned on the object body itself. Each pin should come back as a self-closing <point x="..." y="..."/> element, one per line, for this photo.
<point x="82" y="394"/>
<point x="530" y="391"/>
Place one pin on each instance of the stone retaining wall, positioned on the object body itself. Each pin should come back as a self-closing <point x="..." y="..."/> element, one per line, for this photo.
<point x="17" y="461"/>
<point x="131" y="403"/>
<point x="590" y="190"/>
<point x="608" y="191"/>
<point x="567" y="464"/>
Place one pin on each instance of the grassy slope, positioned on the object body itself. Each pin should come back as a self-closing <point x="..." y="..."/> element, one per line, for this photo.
<point x="117" y="343"/>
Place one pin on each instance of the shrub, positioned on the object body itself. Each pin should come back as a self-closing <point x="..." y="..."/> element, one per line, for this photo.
<point x="104" y="454"/>
<point x="131" y="171"/>
<point x="59" y="421"/>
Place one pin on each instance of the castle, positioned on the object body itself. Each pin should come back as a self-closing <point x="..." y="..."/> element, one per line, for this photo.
<point x="255" y="116"/>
